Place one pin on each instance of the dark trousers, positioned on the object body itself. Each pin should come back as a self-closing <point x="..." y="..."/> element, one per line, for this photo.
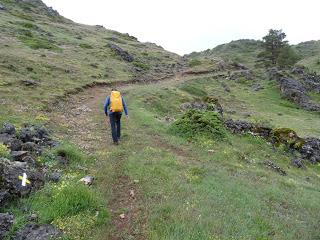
<point x="115" y="125"/>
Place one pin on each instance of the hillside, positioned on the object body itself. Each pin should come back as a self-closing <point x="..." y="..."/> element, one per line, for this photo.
<point x="46" y="55"/>
<point x="215" y="148"/>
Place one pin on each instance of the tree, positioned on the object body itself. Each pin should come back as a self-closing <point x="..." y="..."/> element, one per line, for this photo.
<point x="277" y="50"/>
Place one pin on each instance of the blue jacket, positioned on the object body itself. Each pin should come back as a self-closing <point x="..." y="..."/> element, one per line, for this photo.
<point x="107" y="103"/>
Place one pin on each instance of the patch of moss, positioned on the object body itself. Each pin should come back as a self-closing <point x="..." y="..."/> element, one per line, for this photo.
<point x="287" y="137"/>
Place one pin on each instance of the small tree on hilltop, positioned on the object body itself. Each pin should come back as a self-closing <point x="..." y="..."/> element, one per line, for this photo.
<point x="277" y="51"/>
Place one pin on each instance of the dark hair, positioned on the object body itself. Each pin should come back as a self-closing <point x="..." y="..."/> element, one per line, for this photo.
<point x="114" y="89"/>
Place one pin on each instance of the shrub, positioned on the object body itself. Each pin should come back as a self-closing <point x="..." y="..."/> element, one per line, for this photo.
<point x="4" y="151"/>
<point x="141" y="65"/>
<point x="199" y="123"/>
<point x="85" y="46"/>
<point x="194" y="62"/>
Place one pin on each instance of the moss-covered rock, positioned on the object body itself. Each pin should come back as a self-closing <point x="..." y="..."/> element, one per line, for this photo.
<point x="286" y="136"/>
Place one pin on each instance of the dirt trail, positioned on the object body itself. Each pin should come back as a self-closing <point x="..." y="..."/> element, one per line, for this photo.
<point x="80" y="119"/>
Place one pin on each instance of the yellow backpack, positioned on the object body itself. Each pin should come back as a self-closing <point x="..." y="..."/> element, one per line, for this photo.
<point x="116" y="102"/>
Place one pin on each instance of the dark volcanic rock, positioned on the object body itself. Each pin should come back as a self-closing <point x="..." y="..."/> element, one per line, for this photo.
<point x="29" y="82"/>
<point x="238" y="126"/>
<point x="257" y="87"/>
<point x="10" y="182"/>
<point x="34" y="134"/>
<point x="122" y="53"/>
<point x="311" y="82"/>
<point x="297" y="162"/>
<point x="38" y="232"/>
<point x="311" y="150"/>
<point x="8" y="128"/>
<point x="6" y="221"/>
<point x="18" y="155"/>
<point x="293" y="90"/>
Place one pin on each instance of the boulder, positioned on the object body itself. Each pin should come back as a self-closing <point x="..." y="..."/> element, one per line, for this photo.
<point x="6" y="222"/>
<point x="35" y="134"/>
<point x="311" y="82"/>
<point x="10" y="182"/>
<point x="297" y="162"/>
<point x="122" y="53"/>
<point x="287" y="137"/>
<point x="87" y="180"/>
<point x="38" y="232"/>
<point x="54" y="177"/>
<point x="2" y="8"/>
<point x="29" y="82"/>
<point x="293" y="90"/>
<point x="298" y="70"/>
<point x="194" y="105"/>
<point x="257" y="87"/>
<point x="18" y="155"/>
<point x="310" y="150"/>
<point x="8" y="128"/>
<point x="238" y="126"/>
<point x="29" y="146"/>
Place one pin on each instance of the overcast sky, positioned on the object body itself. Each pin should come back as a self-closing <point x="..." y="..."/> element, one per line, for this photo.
<point x="183" y="26"/>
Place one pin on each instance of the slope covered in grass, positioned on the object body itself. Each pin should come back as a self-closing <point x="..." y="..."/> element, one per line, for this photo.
<point x="44" y="55"/>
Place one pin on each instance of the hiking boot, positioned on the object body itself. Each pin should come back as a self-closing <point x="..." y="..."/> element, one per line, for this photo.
<point x="116" y="143"/>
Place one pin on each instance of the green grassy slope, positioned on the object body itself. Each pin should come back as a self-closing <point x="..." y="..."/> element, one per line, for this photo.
<point x="210" y="189"/>
<point x="310" y="52"/>
<point x="38" y="44"/>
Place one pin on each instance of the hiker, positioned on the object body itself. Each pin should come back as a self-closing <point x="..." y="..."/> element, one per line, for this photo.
<point x="113" y="107"/>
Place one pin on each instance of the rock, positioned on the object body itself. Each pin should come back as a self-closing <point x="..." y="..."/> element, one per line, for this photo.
<point x="194" y="105"/>
<point x="287" y="137"/>
<point x="274" y="167"/>
<point x="298" y="70"/>
<point x="2" y="8"/>
<point x="261" y="131"/>
<point x="54" y="177"/>
<point x="8" y="128"/>
<point x="35" y="134"/>
<point x="122" y="53"/>
<point x="10" y="182"/>
<point x="6" y="139"/>
<point x="15" y="145"/>
<point x="293" y="90"/>
<point x="33" y="218"/>
<point x="38" y="232"/>
<point x="257" y="87"/>
<point x="29" y="82"/>
<point x="247" y="74"/>
<point x="6" y="222"/>
<point x="29" y="146"/>
<point x="18" y="155"/>
<point x="297" y="162"/>
<point x="87" y="180"/>
<point x="311" y="82"/>
<point x="238" y="126"/>
<point x="275" y="74"/>
<point x="4" y="197"/>
<point x="239" y="66"/>
<point x="310" y="150"/>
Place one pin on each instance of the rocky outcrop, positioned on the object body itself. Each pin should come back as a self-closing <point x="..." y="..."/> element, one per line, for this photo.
<point x="120" y="52"/>
<point x="293" y="90"/>
<point x="25" y="145"/>
<point x="310" y="150"/>
<point x="11" y="179"/>
<point x="308" y="147"/>
<point x="6" y="222"/>
<point x="38" y="232"/>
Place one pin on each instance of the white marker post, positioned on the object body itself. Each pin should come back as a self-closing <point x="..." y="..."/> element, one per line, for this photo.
<point x="24" y="180"/>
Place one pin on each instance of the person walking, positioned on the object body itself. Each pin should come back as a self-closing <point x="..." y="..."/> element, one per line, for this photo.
<point x="113" y="107"/>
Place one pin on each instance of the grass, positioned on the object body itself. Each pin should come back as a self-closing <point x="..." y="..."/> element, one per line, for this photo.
<point x="226" y="193"/>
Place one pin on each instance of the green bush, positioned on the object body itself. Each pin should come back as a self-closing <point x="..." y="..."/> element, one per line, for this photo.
<point x="196" y="123"/>
<point x="141" y="65"/>
<point x="194" y="62"/>
<point x="4" y="151"/>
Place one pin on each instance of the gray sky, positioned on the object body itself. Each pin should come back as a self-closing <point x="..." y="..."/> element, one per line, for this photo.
<point x="183" y="26"/>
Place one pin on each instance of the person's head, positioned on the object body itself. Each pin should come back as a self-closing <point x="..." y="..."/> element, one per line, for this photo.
<point x="113" y="89"/>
